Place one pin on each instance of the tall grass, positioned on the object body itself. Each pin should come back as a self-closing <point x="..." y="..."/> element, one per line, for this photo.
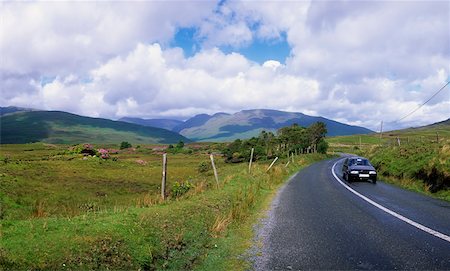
<point x="126" y="226"/>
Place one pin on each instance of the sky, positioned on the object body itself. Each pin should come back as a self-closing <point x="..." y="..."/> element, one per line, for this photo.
<point x="358" y="62"/>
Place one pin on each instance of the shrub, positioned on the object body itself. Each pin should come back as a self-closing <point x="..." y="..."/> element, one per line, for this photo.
<point x="181" y="188"/>
<point x="204" y="167"/>
<point x="125" y="145"/>
<point x="86" y="149"/>
<point x="180" y="145"/>
<point x="322" y="146"/>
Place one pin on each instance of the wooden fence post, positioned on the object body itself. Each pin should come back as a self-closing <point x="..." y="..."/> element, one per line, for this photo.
<point x="273" y="162"/>
<point x="398" y="141"/>
<point x="287" y="164"/>
<point x="437" y="137"/>
<point x="251" y="160"/>
<point x="381" y="131"/>
<point x="215" y="170"/>
<point x="164" y="177"/>
<point x="292" y="157"/>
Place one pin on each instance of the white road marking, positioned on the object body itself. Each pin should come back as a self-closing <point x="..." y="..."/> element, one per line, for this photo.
<point x="379" y="206"/>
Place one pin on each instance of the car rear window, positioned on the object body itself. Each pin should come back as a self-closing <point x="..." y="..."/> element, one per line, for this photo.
<point x="362" y="162"/>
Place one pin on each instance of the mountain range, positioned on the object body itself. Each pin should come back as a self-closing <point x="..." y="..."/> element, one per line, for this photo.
<point x="23" y="125"/>
<point x="248" y="123"/>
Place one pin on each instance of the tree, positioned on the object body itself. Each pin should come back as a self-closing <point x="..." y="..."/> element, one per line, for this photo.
<point x="316" y="132"/>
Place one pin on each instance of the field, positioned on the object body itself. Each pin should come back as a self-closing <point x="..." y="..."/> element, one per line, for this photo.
<point x="417" y="159"/>
<point x="62" y="210"/>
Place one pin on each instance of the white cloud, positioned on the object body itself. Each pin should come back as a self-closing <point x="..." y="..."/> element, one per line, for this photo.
<point x="142" y="83"/>
<point x="359" y="62"/>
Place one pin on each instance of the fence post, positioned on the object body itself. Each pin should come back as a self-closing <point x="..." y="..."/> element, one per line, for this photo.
<point x="287" y="164"/>
<point x="164" y="177"/>
<point x="215" y="170"/>
<point x="381" y="131"/>
<point x="292" y="157"/>
<point x="273" y="162"/>
<point x="398" y="141"/>
<point x="437" y="137"/>
<point x="251" y="160"/>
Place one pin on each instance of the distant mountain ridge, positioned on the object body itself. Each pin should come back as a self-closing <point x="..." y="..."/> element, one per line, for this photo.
<point x="168" y="124"/>
<point x="248" y="123"/>
<point x="13" y="109"/>
<point x="66" y="128"/>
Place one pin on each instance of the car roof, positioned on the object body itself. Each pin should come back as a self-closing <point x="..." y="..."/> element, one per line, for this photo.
<point x="358" y="157"/>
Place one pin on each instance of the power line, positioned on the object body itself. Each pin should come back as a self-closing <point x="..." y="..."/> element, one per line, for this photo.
<point x="412" y="112"/>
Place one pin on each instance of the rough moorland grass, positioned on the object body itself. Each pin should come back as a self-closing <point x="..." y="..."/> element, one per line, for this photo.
<point x="182" y="233"/>
<point x="57" y="183"/>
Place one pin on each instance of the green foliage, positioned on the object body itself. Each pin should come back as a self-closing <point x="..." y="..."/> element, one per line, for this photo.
<point x="181" y="188"/>
<point x="125" y="145"/>
<point x="289" y="139"/>
<point x="180" y="145"/>
<point x="87" y="149"/>
<point x="322" y="146"/>
<point x="204" y="167"/>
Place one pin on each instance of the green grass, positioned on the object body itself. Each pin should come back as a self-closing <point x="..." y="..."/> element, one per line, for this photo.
<point x="69" y="184"/>
<point x="54" y="218"/>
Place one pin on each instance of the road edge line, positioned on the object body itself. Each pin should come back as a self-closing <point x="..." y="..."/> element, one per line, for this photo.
<point x="389" y="211"/>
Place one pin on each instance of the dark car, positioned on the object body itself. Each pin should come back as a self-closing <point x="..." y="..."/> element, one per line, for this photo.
<point x="358" y="168"/>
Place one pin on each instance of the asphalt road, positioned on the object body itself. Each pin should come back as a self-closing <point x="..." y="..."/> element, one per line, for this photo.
<point x="316" y="223"/>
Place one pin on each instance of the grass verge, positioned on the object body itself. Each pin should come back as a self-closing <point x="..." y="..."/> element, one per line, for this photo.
<point x="230" y="250"/>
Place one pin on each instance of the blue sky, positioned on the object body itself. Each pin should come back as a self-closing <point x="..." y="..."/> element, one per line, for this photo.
<point x="358" y="62"/>
<point x="259" y="50"/>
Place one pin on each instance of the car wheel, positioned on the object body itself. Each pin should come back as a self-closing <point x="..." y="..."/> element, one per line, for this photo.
<point x="374" y="181"/>
<point x="349" y="179"/>
<point x="344" y="176"/>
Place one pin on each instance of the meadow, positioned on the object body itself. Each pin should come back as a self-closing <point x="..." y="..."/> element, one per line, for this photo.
<point x="64" y="210"/>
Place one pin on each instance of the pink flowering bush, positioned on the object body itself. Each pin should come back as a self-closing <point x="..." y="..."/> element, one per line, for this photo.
<point x="103" y="153"/>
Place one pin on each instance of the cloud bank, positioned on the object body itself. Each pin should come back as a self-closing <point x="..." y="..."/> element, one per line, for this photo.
<point x="356" y="62"/>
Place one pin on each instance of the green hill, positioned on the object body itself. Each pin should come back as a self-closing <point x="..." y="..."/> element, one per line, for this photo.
<point x="65" y="128"/>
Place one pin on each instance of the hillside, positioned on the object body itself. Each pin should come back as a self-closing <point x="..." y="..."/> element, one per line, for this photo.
<point x="248" y="123"/>
<point x="61" y="127"/>
<point x="168" y="124"/>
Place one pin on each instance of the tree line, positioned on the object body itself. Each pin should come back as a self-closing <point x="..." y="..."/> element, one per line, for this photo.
<point x="287" y="140"/>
